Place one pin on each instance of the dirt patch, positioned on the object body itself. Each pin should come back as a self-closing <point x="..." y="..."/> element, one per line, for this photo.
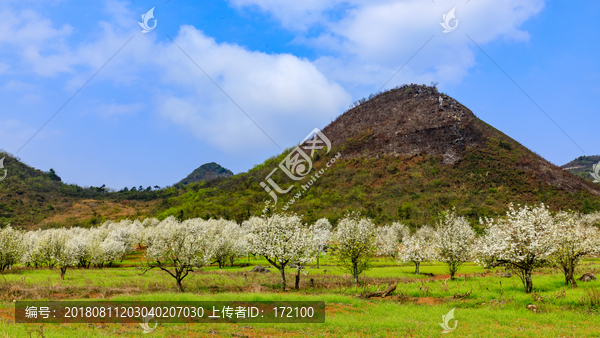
<point x="87" y="209"/>
<point x="428" y="300"/>
<point x="7" y="314"/>
<point x="333" y="309"/>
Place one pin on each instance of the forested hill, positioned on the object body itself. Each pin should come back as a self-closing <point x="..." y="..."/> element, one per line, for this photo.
<point x="206" y="172"/>
<point x="32" y="198"/>
<point x="582" y="166"/>
<point x="404" y="154"/>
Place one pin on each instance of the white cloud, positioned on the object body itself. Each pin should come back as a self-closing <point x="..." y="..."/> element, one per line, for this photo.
<point x="35" y="39"/>
<point x="283" y="94"/>
<point x="296" y="15"/>
<point x="372" y="39"/>
<point x="361" y="43"/>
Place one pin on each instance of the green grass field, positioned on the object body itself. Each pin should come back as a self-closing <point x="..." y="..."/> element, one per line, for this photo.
<point x="486" y="304"/>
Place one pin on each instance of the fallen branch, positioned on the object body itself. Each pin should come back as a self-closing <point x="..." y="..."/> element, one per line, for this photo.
<point x="381" y="294"/>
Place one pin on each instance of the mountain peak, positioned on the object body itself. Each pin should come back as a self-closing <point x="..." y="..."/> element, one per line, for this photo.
<point x="406" y="121"/>
<point x="417" y="119"/>
<point x="206" y="172"/>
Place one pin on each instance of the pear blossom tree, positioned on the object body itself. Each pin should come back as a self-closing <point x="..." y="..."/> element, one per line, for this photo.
<point x="225" y="238"/>
<point x="41" y="248"/>
<point x="282" y="240"/>
<point x="30" y="240"/>
<point x="574" y="239"/>
<point x="354" y="247"/>
<point x="147" y="223"/>
<point x="453" y="241"/>
<point x="322" y="229"/>
<point x="12" y="247"/>
<point x="64" y="247"/>
<point x="96" y="247"/>
<point x="417" y="248"/>
<point x="389" y="237"/>
<point x="523" y="241"/>
<point x="592" y="219"/>
<point x="82" y="247"/>
<point x="178" y="248"/>
<point x="52" y="247"/>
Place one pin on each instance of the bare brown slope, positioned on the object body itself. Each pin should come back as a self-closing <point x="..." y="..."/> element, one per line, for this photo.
<point x="417" y="119"/>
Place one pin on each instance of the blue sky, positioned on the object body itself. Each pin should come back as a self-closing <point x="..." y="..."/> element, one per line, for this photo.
<point x="151" y="116"/>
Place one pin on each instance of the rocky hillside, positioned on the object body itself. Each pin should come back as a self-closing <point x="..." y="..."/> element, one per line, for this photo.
<point x="417" y="119"/>
<point x="406" y="154"/>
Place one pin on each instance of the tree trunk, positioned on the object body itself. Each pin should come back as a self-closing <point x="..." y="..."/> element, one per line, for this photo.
<point x="297" y="285"/>
<point x="355" y="272"/>
<point x="452" y="268"/>
<point x="528" y="281"/>
<point x="179" y="278"/>
<point x="282" y="270"/>
<point x="417" y="267"/>
<point x="570" y="277"/>
<point x="63" y="271"/>
<point x="318" y="254"/>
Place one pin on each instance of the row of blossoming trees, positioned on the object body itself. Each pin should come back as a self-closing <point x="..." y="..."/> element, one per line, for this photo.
<point x="526" y="239"/>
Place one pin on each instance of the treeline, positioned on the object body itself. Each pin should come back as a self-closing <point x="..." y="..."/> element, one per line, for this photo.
<point x="526" y="239"/>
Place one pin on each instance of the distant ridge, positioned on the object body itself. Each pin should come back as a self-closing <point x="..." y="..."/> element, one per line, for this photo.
<point x="206" y="172"/>
<point x="582" y="166"/>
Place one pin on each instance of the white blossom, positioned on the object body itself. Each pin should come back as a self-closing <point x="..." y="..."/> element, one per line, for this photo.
<point x="417" y="248"/>
<point x="323" y="234"/>
<point x="453" y="241"/>
<point x="12" y="247"/>
<point x="355" y="243"/>
<point x="282" y="240"/>
<point x="227" y="240"/>
<point x="389" y="238"/>
<point x="522" y="241"/>
<point x="574" y="239"/>
<point x="179" y="247"/>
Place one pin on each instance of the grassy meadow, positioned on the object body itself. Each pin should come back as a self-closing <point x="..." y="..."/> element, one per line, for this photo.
<point x="486" y="304"/>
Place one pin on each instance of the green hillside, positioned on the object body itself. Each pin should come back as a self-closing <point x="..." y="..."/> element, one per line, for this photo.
<point x="30" y="197"/>
<point x="582" y="166"/>
<point x="411" y="189"/>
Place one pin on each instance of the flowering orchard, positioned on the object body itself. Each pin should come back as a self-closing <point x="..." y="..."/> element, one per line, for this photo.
<point x="525" y="239"/>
